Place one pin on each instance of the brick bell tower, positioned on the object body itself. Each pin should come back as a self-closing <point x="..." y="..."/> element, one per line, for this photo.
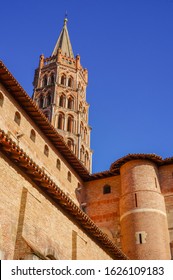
<point x="60" y="92"/>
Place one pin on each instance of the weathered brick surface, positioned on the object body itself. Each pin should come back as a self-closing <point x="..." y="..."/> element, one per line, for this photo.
<point x="142" y="209"/>
<point x="36" y="150"/>
<point x="29" y="217"/>
<point x="31" y="222"/>
<point x="104" y="208"/>
<point x="166" y="182"/>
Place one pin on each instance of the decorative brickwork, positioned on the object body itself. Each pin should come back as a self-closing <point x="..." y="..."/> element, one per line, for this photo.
<point x="51" y="207"/>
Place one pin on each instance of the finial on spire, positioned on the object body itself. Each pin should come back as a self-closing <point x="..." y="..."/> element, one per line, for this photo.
<point x="65" y="19"/>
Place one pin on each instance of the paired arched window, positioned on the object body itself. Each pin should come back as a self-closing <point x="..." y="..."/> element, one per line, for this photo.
<point x="33" y="135"/>
<point x="61" y="119"/>
<point x="62" y="100"/>
<point x="1" y="99"/>
<point x="70" y="144"/>
<point x="45" y="80"/>
<point x="70" y="82"/>
<point x="17" y="118"/>
<point x="46" y="150"/>
<point x="82" y="153"/>
<point x="48" y="99"/>
<point x="63" y="80"/>
<point x="70" y="103"/>
<point x="70" y="124"/>
<point x="86" y="159"/>
<point x="52" y="79"/>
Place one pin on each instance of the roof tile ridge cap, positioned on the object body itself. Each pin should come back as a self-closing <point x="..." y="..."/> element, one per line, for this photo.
<point x="135" y="156"/>
<point x="167" y="159"/>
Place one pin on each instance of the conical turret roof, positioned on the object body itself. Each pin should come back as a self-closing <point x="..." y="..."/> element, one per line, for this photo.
<point x="63" y="42"/>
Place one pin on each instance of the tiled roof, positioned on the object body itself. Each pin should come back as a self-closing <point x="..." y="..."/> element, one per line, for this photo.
<point x="42" y="180"/>
<point x="115" y="166"/>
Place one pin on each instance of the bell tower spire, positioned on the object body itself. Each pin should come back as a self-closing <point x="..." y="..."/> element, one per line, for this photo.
<point x="60" y="84"/>
<point x="63" y="42"/>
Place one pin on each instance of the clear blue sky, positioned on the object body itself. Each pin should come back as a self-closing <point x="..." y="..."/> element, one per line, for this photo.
<point x="127" y="47"/>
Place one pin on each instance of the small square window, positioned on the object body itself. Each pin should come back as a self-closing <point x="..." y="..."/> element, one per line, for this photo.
<point x="106" y="189"/>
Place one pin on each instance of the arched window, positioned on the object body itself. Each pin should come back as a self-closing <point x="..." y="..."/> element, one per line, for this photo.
<point x="85" y="134"/>
<point x="62" y="100"/>
<point x="70" y="102"/>
<point x="70" y="124"/>
<point x="46" y="150"/>
<point x="70" y="82"/>
<point x="52" y="79"/>
<point x="58" y="164"/>
<point x="82" y="130"/>
<point x="17" y="118"/>
<point x="1" y="99"/>
<point x="69" y="176"/>
<point x="33" y="135"/>
<point x="48" y="99"/>
<point x="86" y="159"/>
<point x="61" y="119"/>
<point x="106" y="189"/>
<point x="45" y="81"/>
<point x="63" y="80"/>
<point x="82" y="153"/>
<point x="70" y="144"/>
<point x="41" y="101"/>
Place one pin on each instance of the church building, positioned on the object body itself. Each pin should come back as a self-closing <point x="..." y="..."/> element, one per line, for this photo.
<point x="51" y="205"/>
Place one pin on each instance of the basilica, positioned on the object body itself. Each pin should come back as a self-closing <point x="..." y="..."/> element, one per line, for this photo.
<point x="52" y="206"/>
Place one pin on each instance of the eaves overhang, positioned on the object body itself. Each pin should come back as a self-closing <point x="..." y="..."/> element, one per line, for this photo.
<point x="44" y="182"/>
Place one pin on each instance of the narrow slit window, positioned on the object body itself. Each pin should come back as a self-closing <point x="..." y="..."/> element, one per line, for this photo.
<point x="17" y="118"/>
<point x="58" y="164"/>
<point x="32" y="135"/>
<point x="46" y="150"/>
<point x="69" y="176"/>
<point x="140" y="238"/>
<point x="136" y="200"/>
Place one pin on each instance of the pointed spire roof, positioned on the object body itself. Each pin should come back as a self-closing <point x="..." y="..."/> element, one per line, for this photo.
<point x="63" y="42"/>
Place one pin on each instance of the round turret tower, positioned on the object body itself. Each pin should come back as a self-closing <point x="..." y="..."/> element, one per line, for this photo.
<point x="144" y="229"/>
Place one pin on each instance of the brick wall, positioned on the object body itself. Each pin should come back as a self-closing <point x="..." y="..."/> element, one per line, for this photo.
<point x="104" y="208"/>
<point x="166" y="182"/>
<point x="32" y="223"/>
<point x="36" y="149"/>
<point x="143" y="218"/>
